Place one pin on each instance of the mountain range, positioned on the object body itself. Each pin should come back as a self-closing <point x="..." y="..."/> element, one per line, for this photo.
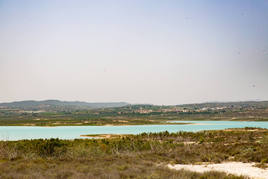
<point x="59" y="105"/>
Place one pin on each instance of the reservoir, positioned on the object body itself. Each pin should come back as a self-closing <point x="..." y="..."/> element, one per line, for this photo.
<point x="74" y="132"/>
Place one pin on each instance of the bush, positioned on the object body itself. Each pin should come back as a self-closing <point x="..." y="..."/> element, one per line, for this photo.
<point x="48" y="147"/>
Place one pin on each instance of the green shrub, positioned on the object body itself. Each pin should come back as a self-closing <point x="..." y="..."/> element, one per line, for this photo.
<point x="48" y="147"/>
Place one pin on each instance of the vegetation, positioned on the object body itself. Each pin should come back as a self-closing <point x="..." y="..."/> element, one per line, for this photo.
<point x="133" y="156"/>
<point x="11" y="115"/>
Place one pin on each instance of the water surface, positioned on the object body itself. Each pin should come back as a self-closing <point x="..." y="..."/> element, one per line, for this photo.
<point x="74" y="132"/>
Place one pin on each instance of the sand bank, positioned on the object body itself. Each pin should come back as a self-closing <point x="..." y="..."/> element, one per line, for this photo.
<point x="235" y="168"/>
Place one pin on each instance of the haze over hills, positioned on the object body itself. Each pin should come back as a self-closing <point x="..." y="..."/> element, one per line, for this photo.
<point x="57" y="104"/>
<point x="229" y="104"/>
<point x="48" y="105"/>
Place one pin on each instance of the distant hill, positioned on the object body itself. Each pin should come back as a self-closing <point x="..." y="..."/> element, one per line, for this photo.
<point x="56" y="105"/>
<point x="257" y="104"/>
<point x="59" y="105"/>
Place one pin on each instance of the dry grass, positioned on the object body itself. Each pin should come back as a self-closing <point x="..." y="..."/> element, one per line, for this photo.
<point x="135" y="156"/>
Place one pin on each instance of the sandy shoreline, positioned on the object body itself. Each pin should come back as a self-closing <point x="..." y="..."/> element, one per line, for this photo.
<point x="108" y="125"/>
<point x="102" y="136"/>
<point x="235" y="168"/>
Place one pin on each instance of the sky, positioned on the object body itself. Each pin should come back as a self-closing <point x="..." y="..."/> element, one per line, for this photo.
<point x="142" y="51"/>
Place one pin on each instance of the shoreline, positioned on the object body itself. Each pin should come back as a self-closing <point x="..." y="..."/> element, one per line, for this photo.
<point x="167" y="122"/>
<point x="105" y="136"/>
<point x="111" y="125"/>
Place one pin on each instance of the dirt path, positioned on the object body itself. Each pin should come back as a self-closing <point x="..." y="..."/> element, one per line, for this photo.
<point x="235" y="168"/>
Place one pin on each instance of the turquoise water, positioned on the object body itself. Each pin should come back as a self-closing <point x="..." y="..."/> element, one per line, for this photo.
<point x="73" y="132"/>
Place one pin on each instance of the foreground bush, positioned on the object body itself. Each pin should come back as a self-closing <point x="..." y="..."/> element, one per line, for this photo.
<point x="132" y="156"/>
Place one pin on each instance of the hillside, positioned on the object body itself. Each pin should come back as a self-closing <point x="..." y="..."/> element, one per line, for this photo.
<point x="58" y="105"/>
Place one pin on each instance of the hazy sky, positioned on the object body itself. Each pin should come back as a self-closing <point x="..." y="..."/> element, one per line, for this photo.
<point x="142" y="51"/>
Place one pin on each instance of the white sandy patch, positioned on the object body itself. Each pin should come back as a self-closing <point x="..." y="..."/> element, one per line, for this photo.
<point x="235" y="168"/>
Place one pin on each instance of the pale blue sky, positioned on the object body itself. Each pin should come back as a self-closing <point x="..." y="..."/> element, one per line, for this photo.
<point x="142" y="51"/>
